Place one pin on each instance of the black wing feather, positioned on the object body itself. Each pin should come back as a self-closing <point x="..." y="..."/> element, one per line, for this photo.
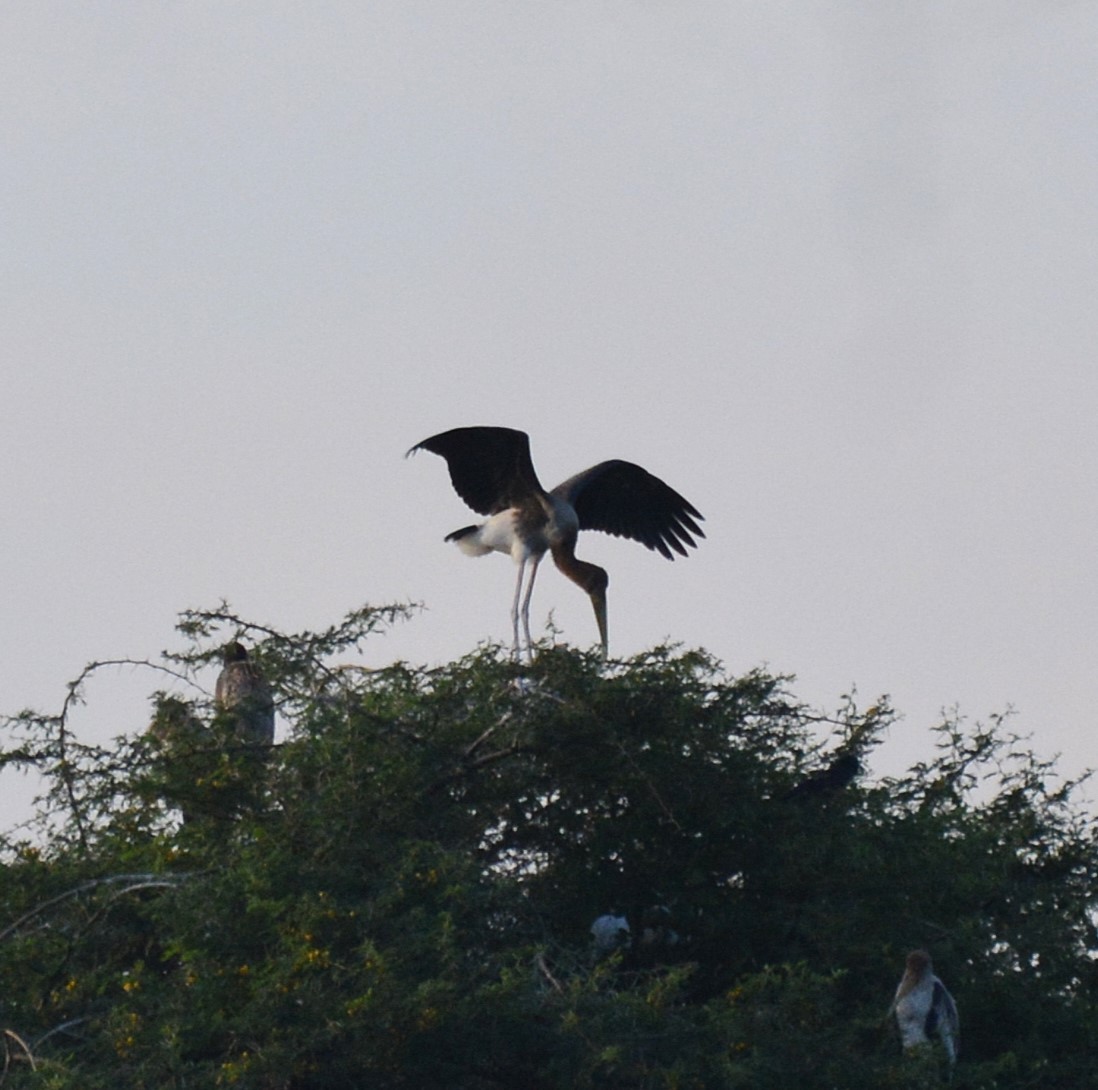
<point x="942" y="1009"/>
<point x="623" y="499"/>
<point x="490" y="468"/>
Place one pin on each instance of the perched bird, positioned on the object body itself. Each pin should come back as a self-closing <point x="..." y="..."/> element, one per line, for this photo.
<point x="243" y="693"/>
<point x="827" y="781"/>
<point x="182" y="760"/>
<point x="174" y="723"/>
<point x="611" y="933"/>
<point x="491" y="470"/>
<point x="923" y="1009"/>
<point x="656" y="929"/>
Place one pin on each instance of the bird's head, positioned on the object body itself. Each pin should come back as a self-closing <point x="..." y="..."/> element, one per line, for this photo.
<point x="234" y="652"/>
<point x="918" y="962"/>
<point x="593" y="579"/>
<point x="595" y="584"/>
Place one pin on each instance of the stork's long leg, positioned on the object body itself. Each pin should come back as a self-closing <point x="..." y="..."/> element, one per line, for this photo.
<point x="534" y="562"/>
<point x="516" y="650"/>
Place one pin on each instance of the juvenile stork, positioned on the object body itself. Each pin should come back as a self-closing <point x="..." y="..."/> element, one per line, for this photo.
<point x="924" y="1009"/>
<point x="243" y="693"/>
<point x="491" y="470"/>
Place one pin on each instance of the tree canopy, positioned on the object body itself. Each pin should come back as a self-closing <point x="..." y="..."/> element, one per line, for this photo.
<point x="400" y="893"/>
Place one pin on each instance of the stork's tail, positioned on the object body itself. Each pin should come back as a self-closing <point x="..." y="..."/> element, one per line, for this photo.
<point x="468" y="541"/>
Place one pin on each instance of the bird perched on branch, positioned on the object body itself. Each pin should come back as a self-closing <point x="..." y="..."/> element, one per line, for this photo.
<point x="611" y="934"/>
<point x="923" y="1009"/>
<point x="174" y="722"/>
<point x="243" y="694"/>
<point x="828" y="781"/>
<point x="492" y="471"/>
<point x="180" y="759"/>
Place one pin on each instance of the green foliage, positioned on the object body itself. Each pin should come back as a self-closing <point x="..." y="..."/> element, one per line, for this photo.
<point x="401" y="895"/>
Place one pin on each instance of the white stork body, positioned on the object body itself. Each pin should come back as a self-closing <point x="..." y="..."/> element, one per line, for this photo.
<point x="924" y="1009"/>
<point x="502" y="533"/>
<point x="491" y="470"/>
<point x="497" y="535"/>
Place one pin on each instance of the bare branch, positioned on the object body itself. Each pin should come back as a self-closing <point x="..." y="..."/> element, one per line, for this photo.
<point x="12" y="1035"/>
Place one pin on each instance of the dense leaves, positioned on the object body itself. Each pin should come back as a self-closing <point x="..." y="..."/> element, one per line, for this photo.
<point x="402" y="894"/>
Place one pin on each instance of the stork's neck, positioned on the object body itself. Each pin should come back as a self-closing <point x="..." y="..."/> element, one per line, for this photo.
<point x="916" y="973"/>
<point x="590" y="577"/>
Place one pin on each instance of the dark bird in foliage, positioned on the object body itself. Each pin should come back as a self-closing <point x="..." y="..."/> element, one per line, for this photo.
<point x="658" y="937"/>
<point x="181" y="756"/>
<point x="174" y="723"/>
<point x="492" y="471"/>
<point x="657" y="929"/>
<point x="827" y="781"/>
<point x="243" y="694"/>
<point x="923" y="1009"/>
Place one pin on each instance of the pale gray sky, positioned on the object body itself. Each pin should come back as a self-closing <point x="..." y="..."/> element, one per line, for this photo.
<point x="827" y="268"/>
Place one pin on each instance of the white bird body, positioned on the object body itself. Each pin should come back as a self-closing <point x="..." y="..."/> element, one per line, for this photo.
<point x="491" y="470"/>
<point x="924" y="1009"/>
<point x="502" y="533"/>
<point x="610" y="933"/>
<point x="497" y="535"/>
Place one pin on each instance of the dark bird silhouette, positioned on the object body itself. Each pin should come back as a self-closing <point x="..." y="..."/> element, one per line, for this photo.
<point x="827" y="781"/>
<point x="492" y="471"/>
<point x="182" y="759"/>
<point x="174" y="723"/>
<point x="923" y="1009"/>
<point x="243" y="694"/>
<point x="656" y="927"/>
<point x="658" y="938"/>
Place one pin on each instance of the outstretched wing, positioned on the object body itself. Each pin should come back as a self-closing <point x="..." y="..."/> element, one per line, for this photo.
<point x="623" y="499"/>
<point x="490" y="468"/>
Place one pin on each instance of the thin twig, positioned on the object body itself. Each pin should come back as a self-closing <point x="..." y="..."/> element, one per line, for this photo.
<point x="62" y="1028"/>
<point x="547" y="974"/>
<point x="141" y="881"/>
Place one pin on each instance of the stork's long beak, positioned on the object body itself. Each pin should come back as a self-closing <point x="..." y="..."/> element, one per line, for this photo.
<point x="598" y="600"/>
